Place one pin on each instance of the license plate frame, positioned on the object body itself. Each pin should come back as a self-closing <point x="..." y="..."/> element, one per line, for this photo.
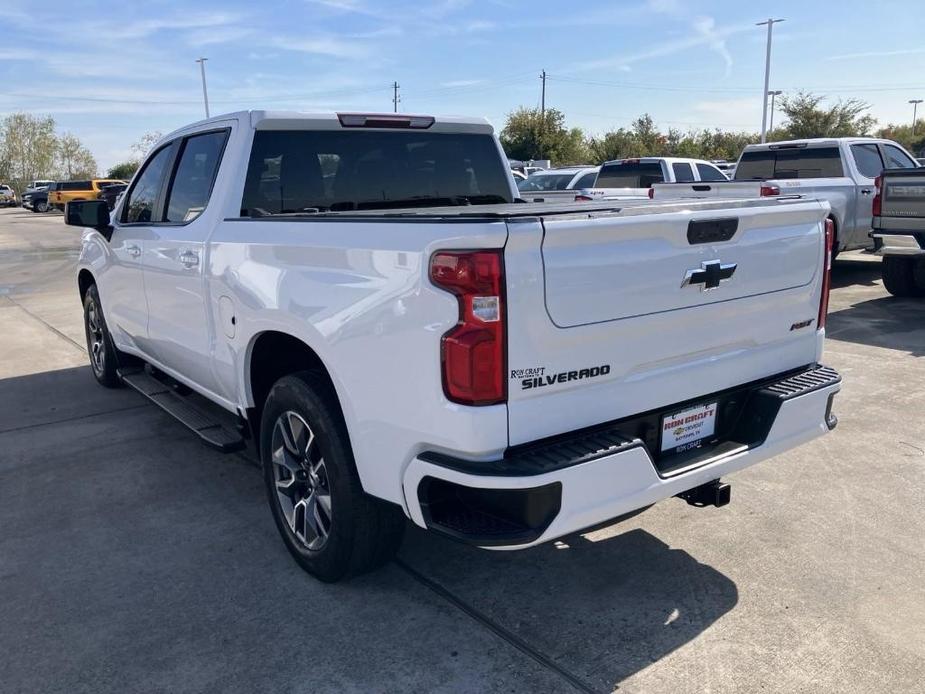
<point x="687" y="428"/>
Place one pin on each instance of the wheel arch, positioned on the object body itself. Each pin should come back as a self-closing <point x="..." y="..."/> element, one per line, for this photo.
<point x="85" y="280"/>
<point x="271" y="355"/>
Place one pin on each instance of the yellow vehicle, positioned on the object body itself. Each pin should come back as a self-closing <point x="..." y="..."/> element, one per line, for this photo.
<point x="69" y="191"/>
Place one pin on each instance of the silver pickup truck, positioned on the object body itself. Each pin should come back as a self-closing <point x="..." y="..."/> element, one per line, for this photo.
<point x="899" y="230"/>
<point x="839" y="170"/>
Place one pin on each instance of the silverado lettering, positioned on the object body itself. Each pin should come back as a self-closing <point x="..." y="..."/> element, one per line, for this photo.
<point x="564" y="376"/>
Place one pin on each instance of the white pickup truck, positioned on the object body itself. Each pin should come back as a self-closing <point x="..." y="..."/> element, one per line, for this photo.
<point x="840" y="171"/>
<point x="360" y="296"/>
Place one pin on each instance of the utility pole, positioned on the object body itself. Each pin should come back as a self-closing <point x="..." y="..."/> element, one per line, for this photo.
<point x="395" y="97"/>
<point x="542" y="112"/>
<point x="915" y="105"/>
<point x="205" y="93"/>
<point x="767" y="78"/>
<point x="773" y="94"/>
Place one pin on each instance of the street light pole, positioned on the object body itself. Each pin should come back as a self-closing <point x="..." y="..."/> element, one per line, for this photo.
<point x="915" y="104"/>
<point x="767" y="77"/>
<point x="777" y="92"/>
<point x="205" y="93"/>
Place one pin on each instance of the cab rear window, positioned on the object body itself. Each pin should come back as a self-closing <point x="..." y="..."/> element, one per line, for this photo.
<point x="630" y="174"/>
<point x="321" y="171"/>
<point x="796" y="162"/>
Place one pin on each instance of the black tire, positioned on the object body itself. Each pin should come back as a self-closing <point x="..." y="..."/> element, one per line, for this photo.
<point x="899" y="276"/>
<point x="363" y="532"/>
<point x="918" y="275"/>
<point x="104" y="357"/>
<point x="41" y="207"/>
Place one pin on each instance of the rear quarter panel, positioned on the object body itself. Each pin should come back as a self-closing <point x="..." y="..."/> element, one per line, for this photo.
<point x="358" y="294"/>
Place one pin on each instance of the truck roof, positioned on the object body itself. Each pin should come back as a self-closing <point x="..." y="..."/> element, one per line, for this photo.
<point x="668" y="160"/>
<point x="261" y="119"/>
<point x="815" y="142"/>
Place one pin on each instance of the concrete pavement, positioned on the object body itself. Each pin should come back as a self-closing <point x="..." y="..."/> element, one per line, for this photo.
<point x="134" y="559"/>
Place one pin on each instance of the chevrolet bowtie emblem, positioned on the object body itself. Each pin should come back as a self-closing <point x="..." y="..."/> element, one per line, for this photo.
<point x="709" y="275"/>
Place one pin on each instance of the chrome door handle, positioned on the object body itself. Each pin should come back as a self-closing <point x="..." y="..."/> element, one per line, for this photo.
<point x="133" y="251"/>
<point x="189" y="258"/>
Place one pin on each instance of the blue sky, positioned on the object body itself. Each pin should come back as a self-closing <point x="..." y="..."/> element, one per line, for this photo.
<point x="109" y="71"/>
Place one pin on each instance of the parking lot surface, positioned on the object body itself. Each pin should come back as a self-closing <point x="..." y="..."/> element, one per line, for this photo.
<point x="134" y="559"/>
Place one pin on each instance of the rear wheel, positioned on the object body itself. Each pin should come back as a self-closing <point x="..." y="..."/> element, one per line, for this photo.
<point x="899" y="276"/>
<point x="331" y="527"/>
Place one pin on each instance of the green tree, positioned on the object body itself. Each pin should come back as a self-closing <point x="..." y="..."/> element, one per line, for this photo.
<point x="527" y="134"/>
<point x="73" y="160"/>
<point x="125" y="170"/>
<point x="807" y="117"/>
<point x="903" y="135"/>
<point x="28" y="143"/>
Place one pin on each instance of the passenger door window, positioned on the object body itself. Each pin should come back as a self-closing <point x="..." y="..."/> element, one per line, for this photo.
<point x="896" y="158"/>
<point x="586" y="181"/>
<point x="867" y="158"/>
<point x="195" y="175"/>
<point x="144" y="197"/>
<point x="683" y="173"/>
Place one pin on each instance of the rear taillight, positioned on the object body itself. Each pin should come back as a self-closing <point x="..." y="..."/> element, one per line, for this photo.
<point x="651" y="193"/>
<point x="473" y="351"/>
<point x="826" y="273"/>
<point x="877" y="206"/>
<point x="581" y="197"/>
<point x="767" y="191"/>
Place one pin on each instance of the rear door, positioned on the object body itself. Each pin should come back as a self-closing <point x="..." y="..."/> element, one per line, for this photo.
<point x="869" y="163"/>
<point x="656" y="305"/>
<point x="178" y="323"/>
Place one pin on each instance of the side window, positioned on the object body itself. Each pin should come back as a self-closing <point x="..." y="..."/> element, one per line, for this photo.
<point x="192" y="182"/>
<point x="586" y="181"/>
<point x="867" y="158"/>
<point x="683" y="173"/>
<point x="143" y="197"/>
<point x="710" y="173"/>
<point x="896" y="158"/>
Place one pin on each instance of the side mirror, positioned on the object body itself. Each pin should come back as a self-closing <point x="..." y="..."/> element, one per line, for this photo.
<point x="89" y="213"/>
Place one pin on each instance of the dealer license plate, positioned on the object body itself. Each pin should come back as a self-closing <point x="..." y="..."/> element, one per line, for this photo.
<point x="684" y="430"/>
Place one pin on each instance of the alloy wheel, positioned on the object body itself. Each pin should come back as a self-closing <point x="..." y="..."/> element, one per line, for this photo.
<point x="96" y="339"/>
<point x="301" y="478"/>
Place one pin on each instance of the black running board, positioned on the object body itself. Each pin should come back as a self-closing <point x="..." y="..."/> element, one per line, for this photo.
<point x="212" y="433"/>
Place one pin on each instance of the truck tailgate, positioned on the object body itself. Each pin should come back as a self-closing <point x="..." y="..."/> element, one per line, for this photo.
<point x="642" y="309"/>
<point x="621" y="268"/>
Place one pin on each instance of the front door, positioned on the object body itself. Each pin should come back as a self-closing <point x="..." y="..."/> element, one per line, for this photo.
<point x="122" y="285"/>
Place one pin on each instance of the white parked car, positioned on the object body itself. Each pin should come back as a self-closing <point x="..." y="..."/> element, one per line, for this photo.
<point x="361" y="298"/>
<point x="549" y="185"/>
<point x="7" y="196"/>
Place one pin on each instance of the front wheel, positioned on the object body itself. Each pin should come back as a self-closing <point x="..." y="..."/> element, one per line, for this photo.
<point x="104" y="357"/>
<point x="331" y="527"/>
<point x="899" y="276"/>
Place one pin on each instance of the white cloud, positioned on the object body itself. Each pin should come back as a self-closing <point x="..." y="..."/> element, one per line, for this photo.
<point x="876" y="54"/>
<point x="322" y="45"/>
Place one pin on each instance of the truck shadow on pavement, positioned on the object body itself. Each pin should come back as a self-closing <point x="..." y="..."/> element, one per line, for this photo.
<point x="886" y="322"/>
<point x="847" y="272"/>
<point x="157" y="567"/>
<point x="601" y="608"/>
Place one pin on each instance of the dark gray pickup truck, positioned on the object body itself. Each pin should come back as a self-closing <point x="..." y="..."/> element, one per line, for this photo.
<point x="898" y="229"/>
